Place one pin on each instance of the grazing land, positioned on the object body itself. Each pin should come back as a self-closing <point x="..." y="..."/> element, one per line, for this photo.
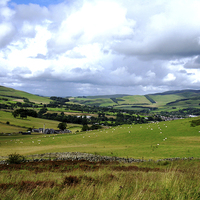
<point x="149" y="141"/>
<point x="15" y="95"/>
<point x="134" y="130"/>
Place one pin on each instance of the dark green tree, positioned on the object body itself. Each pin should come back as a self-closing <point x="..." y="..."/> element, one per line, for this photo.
<point x="62" y="126"/>
<point x="85" y="127"/>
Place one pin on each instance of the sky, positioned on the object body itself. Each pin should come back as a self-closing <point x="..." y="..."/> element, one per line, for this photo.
<point x="99" y="47"/>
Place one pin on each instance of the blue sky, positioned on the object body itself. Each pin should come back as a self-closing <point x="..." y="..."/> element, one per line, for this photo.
<point x="39" y="2"/>
<point x="98" y="47"/>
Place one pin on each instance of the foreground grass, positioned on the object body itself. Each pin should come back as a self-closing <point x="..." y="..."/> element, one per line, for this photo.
<point x="84" y="180"/>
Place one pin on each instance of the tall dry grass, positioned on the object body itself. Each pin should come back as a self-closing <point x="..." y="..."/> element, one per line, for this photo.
<point x="173" y="180"/>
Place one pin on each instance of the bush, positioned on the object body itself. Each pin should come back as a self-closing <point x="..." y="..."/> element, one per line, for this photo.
<point x="71" y="180"/>
<point x="195" y="123"/>
<point x="15" y="158"/>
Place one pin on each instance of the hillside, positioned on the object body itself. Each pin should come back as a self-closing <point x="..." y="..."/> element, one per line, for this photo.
<point x="19" y="96"/>
<point x="166" y="101"/>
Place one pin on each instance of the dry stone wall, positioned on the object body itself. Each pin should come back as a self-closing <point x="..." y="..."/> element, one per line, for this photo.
<point x="85" y="156"/>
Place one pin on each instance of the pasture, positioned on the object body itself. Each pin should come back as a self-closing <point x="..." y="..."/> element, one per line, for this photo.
<point x="83" y="180"/>
<point x="148" y="141"/>
<point x="162" y="100"/>
<point x="94" y="102"/>
<point x="135" y="99"/>
<point x="18" y="124"/>
<point x="12" y="94"/>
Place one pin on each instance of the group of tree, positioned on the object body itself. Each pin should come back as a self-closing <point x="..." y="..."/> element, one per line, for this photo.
<point x="93" y="127"/>
<point x="57" y="102"/>
<point x="182" y="112"/>
<point x="119" y="119"/>
<point x="23" y="113"/>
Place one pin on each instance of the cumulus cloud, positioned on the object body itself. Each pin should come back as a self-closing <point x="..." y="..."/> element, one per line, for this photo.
<point x="95" y="47"/>
<point x="6" y="34"/>
<point x="193" y="64"/>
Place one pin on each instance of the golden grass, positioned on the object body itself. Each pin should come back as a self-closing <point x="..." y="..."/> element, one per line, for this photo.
<point x="19" y="100"/>
<point x="152" y="181"/>
<point x="189" y="138"/>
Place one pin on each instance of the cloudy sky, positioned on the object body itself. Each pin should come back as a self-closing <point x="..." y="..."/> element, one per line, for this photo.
<point x="97" y="47"/>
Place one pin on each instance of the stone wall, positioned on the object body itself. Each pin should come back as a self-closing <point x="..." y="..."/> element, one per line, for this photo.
<point x="85" y="156"/>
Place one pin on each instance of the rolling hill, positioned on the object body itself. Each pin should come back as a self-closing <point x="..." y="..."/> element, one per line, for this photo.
<point x="19" y="96"/>
<point x="166" y="101"/>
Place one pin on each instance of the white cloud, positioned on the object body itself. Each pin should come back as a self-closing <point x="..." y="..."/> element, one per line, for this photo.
<point x="100" y="46"/>
<point x="6" y="33"/>
<point x="169" y="77"/>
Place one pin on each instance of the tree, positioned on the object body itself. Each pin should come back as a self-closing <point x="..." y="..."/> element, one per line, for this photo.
<point x="85" y="127"/>
<point x="42" y="111"/>
<point x="62" y="126"/>
<point x="23" y="115"/>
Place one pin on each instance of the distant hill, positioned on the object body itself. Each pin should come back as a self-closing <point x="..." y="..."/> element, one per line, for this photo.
<point x="184" y="93"/>
<point x="17" y="95"/>
<point x="165" y="101"/>
<point x="107" y="96"/>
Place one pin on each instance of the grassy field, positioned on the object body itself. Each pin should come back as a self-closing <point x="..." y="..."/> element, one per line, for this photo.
<point x="94" y="102"/>
<point x="81" y="180"/>
<point x="136" y="99"/>
<point x="162" y="100"/>
<point x="4" y="91"/>
<point x="18" y="124"/>
<point x="92" y="181"/>
<point x="147" y="141"/>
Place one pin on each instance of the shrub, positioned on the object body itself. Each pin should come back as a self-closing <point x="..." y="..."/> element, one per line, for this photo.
<point x="15" y="158"/>
<point x="195" y="123"/>
<point x="71" y="180"/>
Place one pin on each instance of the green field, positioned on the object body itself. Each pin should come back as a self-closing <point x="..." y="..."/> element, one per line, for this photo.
<point x="126" y="102"/>
<point x="94" y="102"/>
<point x="18" y="124"/>
<point x="146" y="141"/>
<point x="161" y="100"/>
<point x="136" y="99"/>
<point x="84" y="180"/>
<point x="4" y="92"/>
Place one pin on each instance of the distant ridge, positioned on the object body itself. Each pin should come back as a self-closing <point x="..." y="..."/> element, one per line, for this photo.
<point x="108" y="96"/>
<point x="165" y="101"/>
<point x="182" y="92"/>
